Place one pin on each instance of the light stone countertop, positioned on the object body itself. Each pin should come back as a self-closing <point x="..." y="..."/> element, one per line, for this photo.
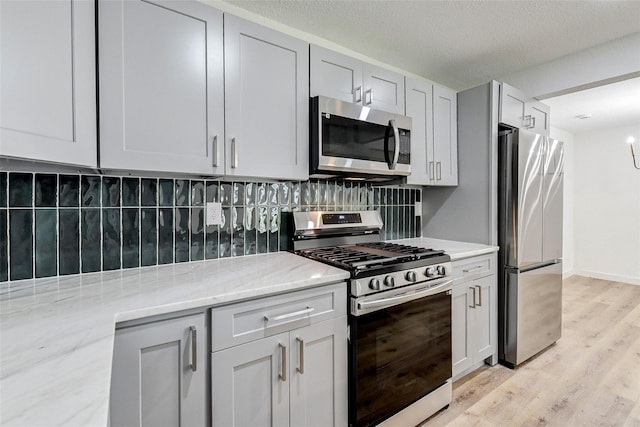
<point x="56" y="334"/>
<point x="456" y="250"/>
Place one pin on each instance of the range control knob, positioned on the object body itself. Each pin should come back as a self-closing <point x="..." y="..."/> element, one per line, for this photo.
<point x="431" y="271"/>
<point x="389" y="281"/>
<point x="411" y="276"/>
<point x="374" y="284"/>
<point x="441" y="270"/>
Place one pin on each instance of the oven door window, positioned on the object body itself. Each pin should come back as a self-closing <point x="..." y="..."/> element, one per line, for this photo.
<point x="356" y="139"/>
<point x="399" y="355"/>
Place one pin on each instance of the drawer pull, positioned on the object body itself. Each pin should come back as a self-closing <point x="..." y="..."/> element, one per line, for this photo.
<point x="471" y="270"/>
<point x="289" y="315"/>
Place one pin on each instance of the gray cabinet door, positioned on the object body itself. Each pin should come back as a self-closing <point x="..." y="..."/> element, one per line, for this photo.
<point x="161" y="86"/>
<point x="335" y="75"/>
<point x="157" y="378"/>
<point x="512" y="106"/>
<point x="539" y="117"/>
<point x="461" y="329"/>
<point x="266" y="102"/>
<point x="445" y="136"/>
<point x="47" y="81"/>
<point x="383" y="89"/>
<point x="419" y="106"/>
<point x="485" y="309"/>
<point x="522" y="111"/>
<point x="318" y="393"/>
<point x="250" y="383"/>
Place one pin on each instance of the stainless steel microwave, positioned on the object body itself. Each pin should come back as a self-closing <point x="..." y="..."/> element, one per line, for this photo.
<point x="354" y="140"/>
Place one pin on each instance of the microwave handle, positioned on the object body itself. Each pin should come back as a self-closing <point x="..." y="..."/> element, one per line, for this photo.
<point x="396" y="144"/>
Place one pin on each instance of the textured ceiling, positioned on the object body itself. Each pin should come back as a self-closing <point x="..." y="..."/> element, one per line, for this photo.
<point x="457" y="43"/>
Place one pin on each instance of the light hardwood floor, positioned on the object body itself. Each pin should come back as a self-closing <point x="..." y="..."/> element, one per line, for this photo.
<point x="590" y="377"/>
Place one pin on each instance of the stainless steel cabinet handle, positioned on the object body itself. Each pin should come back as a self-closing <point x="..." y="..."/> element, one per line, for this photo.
<point x="283" y="363"/>
<point x="368" y="97"/>
<point x="358" y="94"/>
<point x="234" y="153"/>
<point x="474" y="298"/>
<point x="300" y="367"/>
<point x="194" y="348"/>
<point x="214" y="151"/>
<point x="533" y="122"/>
<point x="471" y="270"/>
<point x="479" y="295"/>
<point x="288" y="315"/>
<point x="431" y="171"/>
<point x="438" y="171"/>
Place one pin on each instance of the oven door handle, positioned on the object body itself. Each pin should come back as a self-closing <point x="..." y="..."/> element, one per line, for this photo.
<point x="368" y="306"/>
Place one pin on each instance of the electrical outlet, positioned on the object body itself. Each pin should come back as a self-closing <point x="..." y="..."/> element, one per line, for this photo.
<point x="214" y="213"/>
<point x="418" y="208"/>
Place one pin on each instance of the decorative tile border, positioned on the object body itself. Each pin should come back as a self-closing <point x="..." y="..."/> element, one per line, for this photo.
<point x="60" y="224"/>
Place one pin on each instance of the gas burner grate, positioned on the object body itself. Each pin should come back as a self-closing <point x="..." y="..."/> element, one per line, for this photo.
<point x="416" y="252"/>
<point x="368" y="255"/>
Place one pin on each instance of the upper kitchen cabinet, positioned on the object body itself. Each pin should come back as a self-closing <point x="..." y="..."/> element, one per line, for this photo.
<point x="522" y="111"/>
<point x="161" y="86"/>
<point x="48" y="86"/>
<point x="342" y="77"/>
<point x="434" y="142"/>
<point x="267" y="102"/>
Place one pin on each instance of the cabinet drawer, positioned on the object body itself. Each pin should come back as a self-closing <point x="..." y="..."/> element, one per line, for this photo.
<point x="247" y="321"/>
<point x="473" y="268"/>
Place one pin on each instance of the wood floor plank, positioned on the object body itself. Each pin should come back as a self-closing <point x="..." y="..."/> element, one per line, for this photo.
<point x="590" y="377"/>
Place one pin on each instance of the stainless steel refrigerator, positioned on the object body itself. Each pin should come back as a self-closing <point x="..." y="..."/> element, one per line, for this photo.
<point x="530" y="238"/>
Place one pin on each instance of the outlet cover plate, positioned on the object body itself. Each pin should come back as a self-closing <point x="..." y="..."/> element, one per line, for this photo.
<point x="418" y="208"/>
<point x="214" y="213"/>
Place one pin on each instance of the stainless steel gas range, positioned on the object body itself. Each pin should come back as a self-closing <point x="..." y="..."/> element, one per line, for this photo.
<point x="400" y="316"/>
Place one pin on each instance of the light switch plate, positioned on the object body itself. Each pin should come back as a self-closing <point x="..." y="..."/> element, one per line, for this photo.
<point x="214" y="213"/>
<point x="418" y="208"/>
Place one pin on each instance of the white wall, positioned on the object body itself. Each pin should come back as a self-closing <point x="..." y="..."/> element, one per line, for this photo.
<point x="606" y="63"/>
<point x="568" y="252"/>
<point x="606" y="206"/>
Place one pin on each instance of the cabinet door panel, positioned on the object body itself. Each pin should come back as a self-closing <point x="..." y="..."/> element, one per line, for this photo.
<point x="335" y="75"/>
<point x="153" y="382"/>
<point x="540" y="118"/>
<point x="319" y="392"/>
<point x="485" y="335"/>
<point x="159" y="403"/>
<point x="47" y="74"/>
<point x="461" y="327"/>
<point x="267" y="105"/>
<point x="246" y="387"/>
<point x="445" y="136"/>
<point x="419" y="99"/>
<point x="387" y="89"/>
<point x="512" y="105"/>
<point x="161" y="85"/>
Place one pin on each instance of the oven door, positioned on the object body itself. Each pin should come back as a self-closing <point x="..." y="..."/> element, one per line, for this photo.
<point x="400" y="350"/>
<point x="350" y="138"/>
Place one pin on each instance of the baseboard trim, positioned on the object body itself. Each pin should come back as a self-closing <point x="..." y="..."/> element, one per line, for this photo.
<point x="606" y="276"/>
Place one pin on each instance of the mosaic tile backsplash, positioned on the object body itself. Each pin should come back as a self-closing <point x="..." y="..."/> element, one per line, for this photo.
<point x="60" y="224"/>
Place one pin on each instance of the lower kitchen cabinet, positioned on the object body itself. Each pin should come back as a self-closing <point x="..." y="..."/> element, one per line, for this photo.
<point x="474" y="314"/>
<point x="297" y="378"/>
<point x="159" y="373"/>
<point x="295" y="374"/>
